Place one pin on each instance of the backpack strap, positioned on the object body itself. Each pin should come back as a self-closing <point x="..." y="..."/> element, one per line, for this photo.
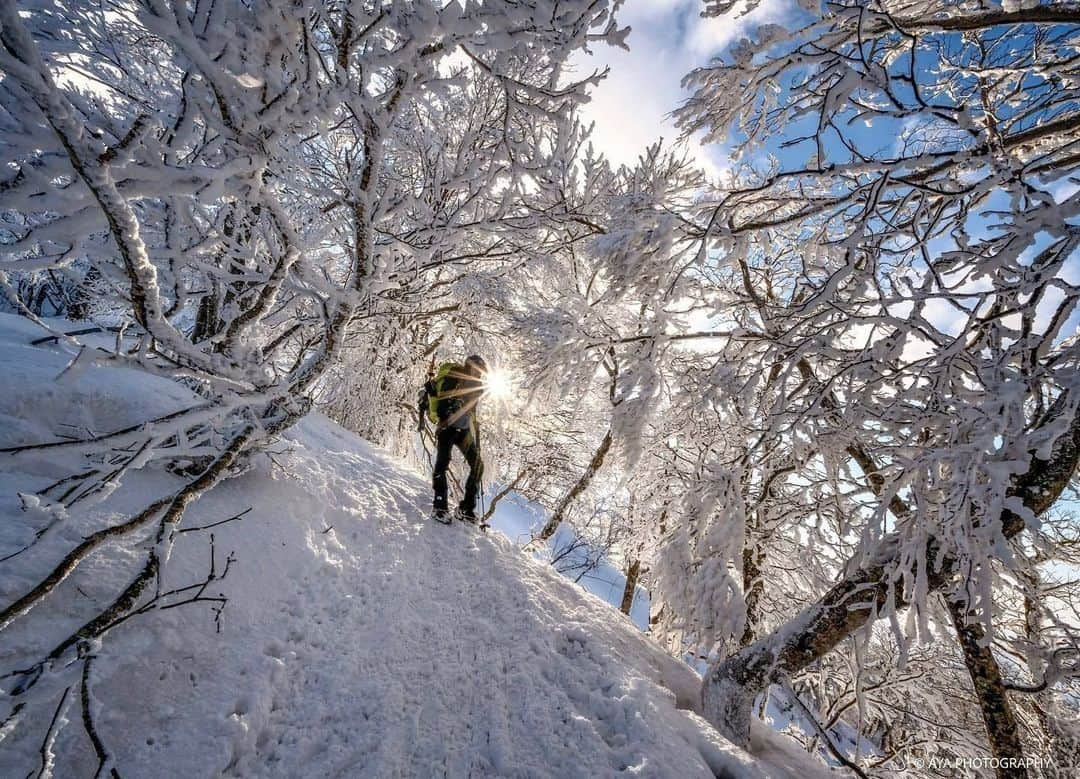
<point x="435" y="388"/>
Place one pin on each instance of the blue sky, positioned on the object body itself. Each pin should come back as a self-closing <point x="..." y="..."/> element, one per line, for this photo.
<point x="668" y="39"/>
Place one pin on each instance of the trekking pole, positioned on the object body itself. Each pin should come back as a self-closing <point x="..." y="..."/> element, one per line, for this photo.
<point x="480" y="457"/>
<point x="421" y="407"/>
<point x="421" y="412"/>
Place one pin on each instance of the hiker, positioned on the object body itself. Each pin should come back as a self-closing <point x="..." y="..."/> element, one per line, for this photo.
<point x="450" y="399"/>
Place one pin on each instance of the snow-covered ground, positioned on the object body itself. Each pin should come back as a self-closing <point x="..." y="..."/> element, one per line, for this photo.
<point x="519" y="519"/>
<point x="359" y="638"/>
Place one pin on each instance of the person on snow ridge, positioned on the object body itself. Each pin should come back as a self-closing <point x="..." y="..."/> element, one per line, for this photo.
<point x="450" y="400"/>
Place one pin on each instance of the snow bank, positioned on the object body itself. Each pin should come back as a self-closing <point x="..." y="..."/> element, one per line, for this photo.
<point x="359" y="639"/>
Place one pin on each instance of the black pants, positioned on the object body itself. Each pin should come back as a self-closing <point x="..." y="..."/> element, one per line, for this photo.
<point x="446" y="440"/>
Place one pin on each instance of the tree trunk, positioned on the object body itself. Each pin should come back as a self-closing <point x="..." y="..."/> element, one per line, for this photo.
<point x="730" y="686"/>
<point x="578" y="488"/>
<point x="206" y="317"/>
<point x="633" y="572"/>
<point x="753" y="588"/>
<point x="985" y="673"/>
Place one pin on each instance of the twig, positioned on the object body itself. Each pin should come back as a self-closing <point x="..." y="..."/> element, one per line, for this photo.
<point x="167" y="510"/>
<point x="11" y="719"/>
<point x="198" y="597"/>
<point x="233" y="518"/>
<point x="84" y="331"/>
<point x="105" y="760"/>
<point x="50" y="737"/>
<point x="44" y="491"/>
<point x="110" y="477"/>
<point x="840" y="756"/>
<point x="99" y="626"/>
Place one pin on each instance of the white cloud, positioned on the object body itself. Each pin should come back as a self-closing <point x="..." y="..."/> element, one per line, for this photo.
<point x="669" y="38"/>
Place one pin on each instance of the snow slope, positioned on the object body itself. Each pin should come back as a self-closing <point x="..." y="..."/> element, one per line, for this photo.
<point x="359" y="639"/>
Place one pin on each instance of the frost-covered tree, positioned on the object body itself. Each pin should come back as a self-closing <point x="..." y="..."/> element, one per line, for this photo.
<point x="894" y="260"/>
<point x="584" y="321"/>
<point x="255" y="185"/>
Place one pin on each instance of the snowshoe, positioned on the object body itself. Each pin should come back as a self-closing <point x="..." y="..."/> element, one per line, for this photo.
<point x="442" y="516"/>
<point x="470" y="517"/>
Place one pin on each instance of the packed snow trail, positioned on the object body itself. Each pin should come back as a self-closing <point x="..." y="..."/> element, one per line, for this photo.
<point x="360" y="639"/>
<point x="399" y="647"/>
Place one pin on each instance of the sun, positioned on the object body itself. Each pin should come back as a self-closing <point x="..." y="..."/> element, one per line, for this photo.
<point x="497" y="384"/>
